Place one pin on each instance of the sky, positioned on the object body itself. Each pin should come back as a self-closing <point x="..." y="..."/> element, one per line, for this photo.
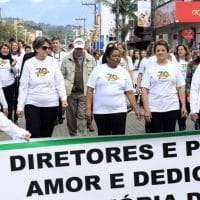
<point x="55" y="12"/>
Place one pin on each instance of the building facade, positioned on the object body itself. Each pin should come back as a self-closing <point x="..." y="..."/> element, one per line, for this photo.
<point x="178" y="22"/>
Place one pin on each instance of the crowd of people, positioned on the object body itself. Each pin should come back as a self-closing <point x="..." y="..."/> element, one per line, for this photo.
<point x="46" y="84"/>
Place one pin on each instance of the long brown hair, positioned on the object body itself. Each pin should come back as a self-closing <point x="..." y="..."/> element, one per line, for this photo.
<point x="187" y="55"/>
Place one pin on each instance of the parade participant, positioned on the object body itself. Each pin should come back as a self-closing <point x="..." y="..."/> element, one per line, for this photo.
<point x="143" y="54"/>
<point x="17" y="56"/>
<point x="28" y="49"/>
<point x="7" y="77"/>
<point x="194" y="97"/>
<point x="59" y="55"/>
<point x="162" y="86"/>
<point x="111" y="84"/>
<point x="97" y="56"/>
<point x="41" y="85"/>
<point x="57" y="52"/>
<point x="192" y="66"/>
<point x="76" y="68"/>
<point x="21" y="46"/>
<point x="182" y="55"/>
<point x="144" y="64"/>
<point x="136" y="63"/>
<point x="3" y="102"/>
<point x="125" y="61"/>
<point x="12" y="130"/>
<point x="103" y="57"/>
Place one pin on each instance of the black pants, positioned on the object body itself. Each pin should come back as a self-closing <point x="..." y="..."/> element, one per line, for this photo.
<point x="111" y="124"/>
<point x="9" y="96"/>
<point x="40" y="121"/>
<point x="163" y="121"/>
<point x="16" y="94"/>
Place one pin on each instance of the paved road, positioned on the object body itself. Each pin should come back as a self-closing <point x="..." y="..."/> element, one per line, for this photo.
<point x="133" y="127"/>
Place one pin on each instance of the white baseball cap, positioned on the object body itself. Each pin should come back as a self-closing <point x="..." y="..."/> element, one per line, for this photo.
<point x="79" y="43"/>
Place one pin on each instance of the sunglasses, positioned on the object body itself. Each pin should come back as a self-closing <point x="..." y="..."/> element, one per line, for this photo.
<point x="45" y="48"/>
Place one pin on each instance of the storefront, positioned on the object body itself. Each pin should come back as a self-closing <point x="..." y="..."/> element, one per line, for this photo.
<point x="179" y="22"/>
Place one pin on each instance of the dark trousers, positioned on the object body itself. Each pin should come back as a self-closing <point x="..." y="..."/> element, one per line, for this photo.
<point x="16" y="94"/>
<point x="40" y="121"/>
<point x="197" y="123"/>
<point x="9" y="96"/>
<point x="111" y="124"/>
<point x="163" y="121"/>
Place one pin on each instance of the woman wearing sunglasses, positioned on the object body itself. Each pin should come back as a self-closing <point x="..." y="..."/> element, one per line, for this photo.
<point x="41" y="85"/>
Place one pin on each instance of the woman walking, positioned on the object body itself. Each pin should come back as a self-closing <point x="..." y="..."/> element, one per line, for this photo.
<point x="110" y="82"/>
<point x="182" y="55"/>
<point x="7" y="77"/>
<point x="41" y="85"/>
<point x="162" y="87"/>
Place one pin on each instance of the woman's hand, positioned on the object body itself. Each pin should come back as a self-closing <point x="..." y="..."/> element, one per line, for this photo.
<point x="14" y="63"/>
<point x="64" y="105"/>
<point x="147" y="116"/>
<point x="88" y="116"/>
<point x="194" y="117"/>
<point x="184" y="112"/>
<point x="5" y="111"/>
<point x="20" y="113"/>
<point x="25" y="136"/>
<point x="139" y="115"/>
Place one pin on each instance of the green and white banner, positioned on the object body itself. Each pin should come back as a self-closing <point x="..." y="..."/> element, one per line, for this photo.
<point x="134" y="167"/>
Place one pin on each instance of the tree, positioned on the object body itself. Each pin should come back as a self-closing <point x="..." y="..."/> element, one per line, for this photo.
<point x="7" y="31"/>
<point x="127" y="10"/>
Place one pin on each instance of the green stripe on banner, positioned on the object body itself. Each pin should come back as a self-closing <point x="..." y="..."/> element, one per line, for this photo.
<point x="99" y="139"/>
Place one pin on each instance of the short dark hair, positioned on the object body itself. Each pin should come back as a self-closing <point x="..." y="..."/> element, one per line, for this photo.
<point x="55" y="38"/>
<point x="39" y="41"/>
<point x="27" y="47"/>
<point x="5" y="44"/>
<point x="161" y="43"/>
<point x="109" y="49"/>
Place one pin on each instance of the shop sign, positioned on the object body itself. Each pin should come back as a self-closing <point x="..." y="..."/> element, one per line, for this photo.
<point x="187" y="12"/>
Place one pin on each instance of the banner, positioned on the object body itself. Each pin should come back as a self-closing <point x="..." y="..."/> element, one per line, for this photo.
<point x="144" y="13"/>
<point x="134" y="167"/>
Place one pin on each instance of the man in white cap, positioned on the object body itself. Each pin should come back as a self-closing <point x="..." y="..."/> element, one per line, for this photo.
<point x="76" y="68"/>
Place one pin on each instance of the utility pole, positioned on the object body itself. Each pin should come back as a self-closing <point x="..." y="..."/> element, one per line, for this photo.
<point x="95" y="10"/>
<point x="84" y="24"/>
<point x="117" y="20"/>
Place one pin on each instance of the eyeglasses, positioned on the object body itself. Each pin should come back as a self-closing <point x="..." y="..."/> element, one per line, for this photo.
<point x="45" y="48"/>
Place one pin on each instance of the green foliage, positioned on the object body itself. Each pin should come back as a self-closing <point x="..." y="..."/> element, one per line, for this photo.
<point x="127" y="9"/>
<point x="7" y="31"/>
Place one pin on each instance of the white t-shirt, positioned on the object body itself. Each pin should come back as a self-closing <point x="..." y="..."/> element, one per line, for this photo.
<point x="146" y="62"/>
<point x="162" y="82"/>
<point x="182" y="64"/>
<point x="41" y="83"/>
<point x="10" y="128"/>
<point x="59" y="56"/>
<point x="127" y="63"/>
<point x="3" y="101"/>
<point x="19" y="59"/>
<point x="6" y="76"/>
<point x="110" y="85"/>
